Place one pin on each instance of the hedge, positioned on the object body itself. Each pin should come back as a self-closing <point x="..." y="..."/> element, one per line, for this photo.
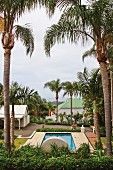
<point x="58" y="130"/>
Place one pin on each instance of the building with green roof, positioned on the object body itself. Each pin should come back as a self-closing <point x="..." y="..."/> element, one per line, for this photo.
<point x="65" y="108"/>
<point x="77" y="106"/>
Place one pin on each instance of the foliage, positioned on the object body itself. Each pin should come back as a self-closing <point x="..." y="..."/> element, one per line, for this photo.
<point x="57" y="130"/>
<point x="59" y="151"/>
<point x="30" y="158"/>
<point x="90" y="85"/>
<point x="84" y="124"/>
<point x="102" y="131"/>
<point x="57" y="123"/>
<point x="77" y="117"/>
<point x="83" y="151"/>
<point x="1" y="134"/>
<point x="33" y="119"/>
<point x="98" y="145"/>
<point x="99" y="154"/>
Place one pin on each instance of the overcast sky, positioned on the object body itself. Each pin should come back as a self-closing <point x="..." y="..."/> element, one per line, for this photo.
<point x="64" y="63"/>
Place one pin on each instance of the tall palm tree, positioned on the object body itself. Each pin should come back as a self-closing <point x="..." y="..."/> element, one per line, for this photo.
<point x="70" y="88"/>
<point x="1" y="95"/>
<point x="10" y="12"/>
<point x="16" y="98"/>
<point x="91" y="89"/>
<point x="94" y="22"/>
<point x="33" y="100"/>
<point x="55" y="86"/>
<point x="92" y="52"/>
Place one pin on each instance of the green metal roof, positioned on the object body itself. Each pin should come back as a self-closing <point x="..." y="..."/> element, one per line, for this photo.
<point x="76" y="103"/>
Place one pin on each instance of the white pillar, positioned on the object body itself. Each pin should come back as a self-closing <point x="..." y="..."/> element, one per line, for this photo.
<point x="83" y="129"/>
<point x="19" y="123"/>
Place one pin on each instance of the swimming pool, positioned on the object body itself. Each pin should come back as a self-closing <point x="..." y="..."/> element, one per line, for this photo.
<point x="66" y="136"/>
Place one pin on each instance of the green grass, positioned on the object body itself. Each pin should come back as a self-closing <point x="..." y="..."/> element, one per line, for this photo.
<point x="103" y="140"/>
<point x="18" y="142"/>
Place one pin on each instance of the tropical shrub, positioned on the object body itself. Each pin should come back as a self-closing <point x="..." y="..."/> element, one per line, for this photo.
<point x="59" y="151"/>
<point x="30" y="158"/>
<point x="33" y="119"/>
<point x="70" y="163"/>
<point x="83" y="151"/>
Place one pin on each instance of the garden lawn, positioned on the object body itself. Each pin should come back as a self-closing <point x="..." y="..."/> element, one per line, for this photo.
<point x="18" y="142"/>
<point x="103" y="139"/>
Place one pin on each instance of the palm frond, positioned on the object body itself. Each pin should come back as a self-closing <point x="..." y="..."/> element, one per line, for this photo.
<point x="91" y="52"/>
<point x="63" y="4"/>
<point x="70" y="27"/>
<point x="26" y="36"/>
<point x="18" y="7"/>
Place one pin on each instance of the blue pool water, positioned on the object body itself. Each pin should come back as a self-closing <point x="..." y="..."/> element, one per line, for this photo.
<point x="66" y="136"/>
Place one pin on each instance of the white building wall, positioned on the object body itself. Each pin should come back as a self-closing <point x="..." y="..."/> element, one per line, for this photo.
<point x="22" y="122"/>
<point x="51" y="117"/>
<point x="67" y="111"/>
<point x="28" y="119"/>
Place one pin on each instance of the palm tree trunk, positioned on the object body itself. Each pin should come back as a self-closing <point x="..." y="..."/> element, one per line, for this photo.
<point x="111" y="77"/>
<point x="6" y="99"/>
<point x="12" y="124"/>
<point x="56" y="107"/>
<point x="105" y="84"/>
<point x="71" y="108"/>
<point x="96" y="124"/>
<point x="8" y="44"/>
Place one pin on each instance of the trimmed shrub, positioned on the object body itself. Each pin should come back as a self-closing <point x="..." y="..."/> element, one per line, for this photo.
<point x="84" y="124"/>
<point x="58" y="130"/>
<point x="57" y="123"/>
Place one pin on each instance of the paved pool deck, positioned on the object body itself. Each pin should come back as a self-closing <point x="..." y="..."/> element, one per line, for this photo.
<point x="78" y="137"/>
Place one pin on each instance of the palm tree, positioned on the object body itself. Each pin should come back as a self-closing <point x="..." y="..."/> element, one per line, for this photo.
<point x="1" y="95"/>
<point x="33" y="100"/>
<point x="12" y="10"/>
<point x="91" y="89"/>
<point x="55" y="86"/>
<point x="93" y="22"/>
<point x="16" y="97"/>
<point x="92" y="52"/>
<point x="70" y="88"/>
